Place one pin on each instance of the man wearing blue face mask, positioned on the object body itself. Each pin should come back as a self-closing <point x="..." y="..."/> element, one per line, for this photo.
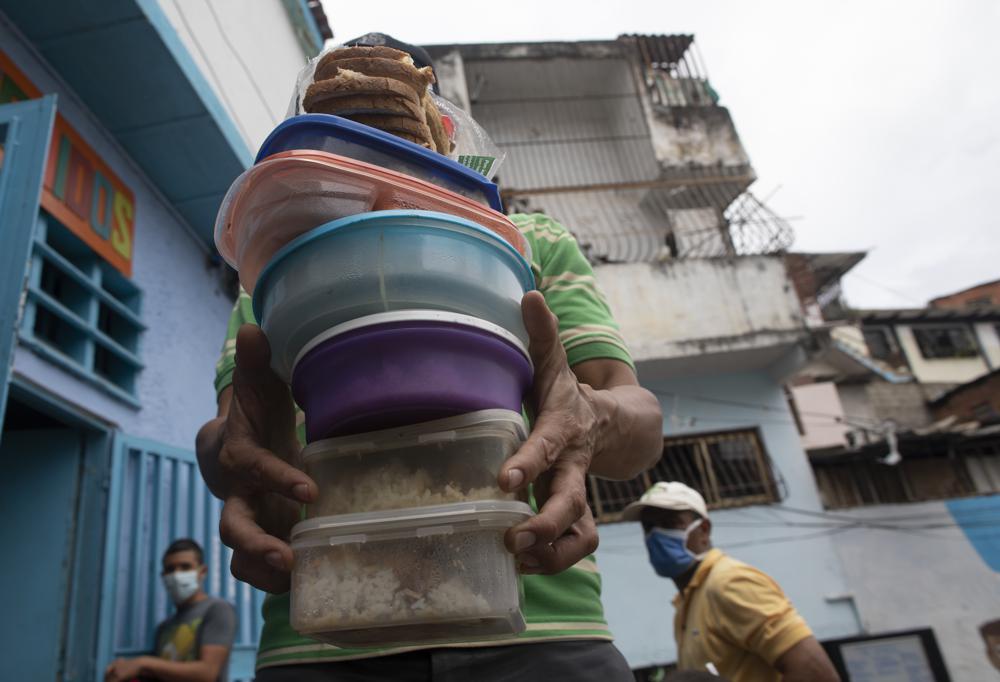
<point x="193" y="644"/>
<point x="730" y="617"/>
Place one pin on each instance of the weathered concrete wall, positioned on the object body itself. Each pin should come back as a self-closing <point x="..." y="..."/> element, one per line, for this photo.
<point x="905" y="404"/>
<point x="678" y="308"/>
<point x="819" y="406"/>
<point x="253" y="53"/>
<point x="938" y="370"/>
<point x="704" y="136"/>
<point x="638" y="603"/>
<point x="927" y="578"/>
<point x="183" y="305"/>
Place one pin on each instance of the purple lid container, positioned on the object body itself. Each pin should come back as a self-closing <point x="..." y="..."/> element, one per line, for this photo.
<point x="395" y="369"/>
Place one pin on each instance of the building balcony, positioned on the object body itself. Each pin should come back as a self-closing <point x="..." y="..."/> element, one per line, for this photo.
<point x="707" y="315"/>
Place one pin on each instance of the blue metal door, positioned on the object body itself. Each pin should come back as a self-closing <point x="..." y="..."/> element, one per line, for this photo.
<point x="25" y="130"/>
<point x="40" y="488"/>
<point x="157" y="495"/>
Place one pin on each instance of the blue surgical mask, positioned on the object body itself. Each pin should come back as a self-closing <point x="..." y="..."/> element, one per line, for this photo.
<point x="668" y="551"/>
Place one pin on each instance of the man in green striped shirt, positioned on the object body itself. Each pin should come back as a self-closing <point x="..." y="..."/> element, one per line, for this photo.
<point x="591" y="417"/>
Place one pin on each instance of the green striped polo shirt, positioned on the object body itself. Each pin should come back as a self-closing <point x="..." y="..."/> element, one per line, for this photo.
<point x="563" y="606"/>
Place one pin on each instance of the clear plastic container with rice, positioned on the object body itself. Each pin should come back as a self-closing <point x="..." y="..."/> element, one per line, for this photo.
<point x="437" y="462"/>
<point x="429" y="574"/>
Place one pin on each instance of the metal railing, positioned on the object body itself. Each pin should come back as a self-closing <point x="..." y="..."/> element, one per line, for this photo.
<point x="729" y="469"/>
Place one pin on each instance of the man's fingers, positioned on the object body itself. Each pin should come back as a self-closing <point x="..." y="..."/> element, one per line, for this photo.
<point x="566" y="505"/>
<point x="259" y="469"/>
<point x="253" y="352"/>
<point x="250" y="569"/>
<point x="545" y="443"/>
<point x="578" y="542"/>
<point x="239" y="529"/>
<point x="259" y="559"/>
<point x="543" y="330"/>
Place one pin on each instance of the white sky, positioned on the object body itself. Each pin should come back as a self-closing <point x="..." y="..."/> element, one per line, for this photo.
<point x="879" y="120"/>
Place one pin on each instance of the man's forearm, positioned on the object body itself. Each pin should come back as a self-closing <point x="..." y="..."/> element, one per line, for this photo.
<point x="178" y="671"/>
<point x="630" y="431"/>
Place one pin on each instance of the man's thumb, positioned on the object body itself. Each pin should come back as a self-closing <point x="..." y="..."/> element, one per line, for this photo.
<point x="253" y="353"/>
<point x="542" y="326"/>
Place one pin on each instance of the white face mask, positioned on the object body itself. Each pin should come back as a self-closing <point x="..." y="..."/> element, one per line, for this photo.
<point x="181" y="585"/>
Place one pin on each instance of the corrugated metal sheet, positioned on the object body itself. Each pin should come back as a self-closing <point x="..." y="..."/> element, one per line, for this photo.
<point x="563" y="122"/>
<point x="157" y="496"/>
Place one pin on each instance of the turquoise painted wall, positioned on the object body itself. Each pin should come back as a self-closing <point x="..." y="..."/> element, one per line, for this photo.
<point x="803" y="560"/>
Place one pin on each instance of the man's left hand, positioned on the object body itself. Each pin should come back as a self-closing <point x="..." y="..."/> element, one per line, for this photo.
<point x="557" y="455"/>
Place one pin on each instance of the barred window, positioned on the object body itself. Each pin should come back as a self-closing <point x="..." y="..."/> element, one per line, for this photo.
<point x="945" y="341"/>
<point x="730" y="469"/>
<point x="81" y="313"/>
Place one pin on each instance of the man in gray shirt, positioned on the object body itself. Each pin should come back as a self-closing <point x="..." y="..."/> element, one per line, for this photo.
<point x="193" y="644"/>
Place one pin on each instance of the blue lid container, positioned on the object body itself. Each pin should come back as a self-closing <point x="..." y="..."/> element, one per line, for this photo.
<point x="336" y="135"/>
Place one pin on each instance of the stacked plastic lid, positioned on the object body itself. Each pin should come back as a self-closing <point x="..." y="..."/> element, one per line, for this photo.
<point x="389" y="286"/>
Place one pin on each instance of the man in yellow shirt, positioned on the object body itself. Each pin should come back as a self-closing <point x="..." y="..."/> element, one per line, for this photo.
<point x="730" y="617"/>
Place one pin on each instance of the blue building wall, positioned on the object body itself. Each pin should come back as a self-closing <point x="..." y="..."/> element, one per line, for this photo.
<point x="183" y="306"/>
<point x="803" y="560"/>
<point x="126" y="513"/>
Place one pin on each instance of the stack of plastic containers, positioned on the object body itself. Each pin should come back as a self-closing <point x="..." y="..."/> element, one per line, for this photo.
<point x="389" y="285"/>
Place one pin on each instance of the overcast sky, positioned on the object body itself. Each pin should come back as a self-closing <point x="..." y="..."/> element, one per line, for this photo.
<point x="877" y="122"/>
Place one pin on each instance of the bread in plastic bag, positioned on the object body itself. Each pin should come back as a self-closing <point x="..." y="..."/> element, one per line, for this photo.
<point x="472" y="146"/>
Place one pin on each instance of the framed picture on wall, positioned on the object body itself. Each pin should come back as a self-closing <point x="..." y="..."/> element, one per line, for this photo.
<point x="907" y="656"/>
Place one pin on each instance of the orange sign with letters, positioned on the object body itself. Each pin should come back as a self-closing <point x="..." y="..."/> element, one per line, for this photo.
<point x="80" y="190"/>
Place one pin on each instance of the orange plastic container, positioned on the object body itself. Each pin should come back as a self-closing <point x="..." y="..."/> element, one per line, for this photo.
<point x="290" y="193"/>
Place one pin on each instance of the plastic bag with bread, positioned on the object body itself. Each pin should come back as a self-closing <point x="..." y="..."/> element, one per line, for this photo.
<point x="381" y="87"/>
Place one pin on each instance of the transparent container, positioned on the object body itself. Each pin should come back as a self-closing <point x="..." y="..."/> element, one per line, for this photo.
<point x="432" y="574"/>
<point x="341" y="136"/>
<point x="290" y="193"/>
<point x="433" y="463"/>
<point x="387" y="261"/>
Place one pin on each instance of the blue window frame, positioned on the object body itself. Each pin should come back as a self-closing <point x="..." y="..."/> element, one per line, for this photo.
<point x="81" y="313"/>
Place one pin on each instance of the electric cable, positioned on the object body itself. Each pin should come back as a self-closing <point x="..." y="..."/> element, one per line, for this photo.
<point x="243" y="65"/>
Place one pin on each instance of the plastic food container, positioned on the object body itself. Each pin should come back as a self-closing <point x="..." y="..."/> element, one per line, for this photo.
<point x="387" y="261"/>
<point x="437" y="462"/>
<point x="289" y="194"/>
<point x="324" y="132"/>
<point x="409" y="576"/>
<point x="394" y="369"/>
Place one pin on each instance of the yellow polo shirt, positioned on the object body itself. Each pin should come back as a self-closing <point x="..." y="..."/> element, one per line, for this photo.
<point x="737" y="618"/>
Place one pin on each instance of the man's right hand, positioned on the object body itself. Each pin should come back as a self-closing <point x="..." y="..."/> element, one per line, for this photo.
<point x="248" y="456"/>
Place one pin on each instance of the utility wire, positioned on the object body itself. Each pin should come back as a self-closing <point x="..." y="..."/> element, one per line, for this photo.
<point x="246" y="69"/>
<point x="211" y="71"/>
<point x="909" y="298"/>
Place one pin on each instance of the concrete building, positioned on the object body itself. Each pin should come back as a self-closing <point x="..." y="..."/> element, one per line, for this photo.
<point x="121" y="126"/>
<point x="921" y="383"/>
<point x="625" y="142"/>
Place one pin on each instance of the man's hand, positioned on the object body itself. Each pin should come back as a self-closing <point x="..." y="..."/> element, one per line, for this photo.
<point x="123" y="670"/>
<point x="612" y="429"/>
<point x="248" y="457"/>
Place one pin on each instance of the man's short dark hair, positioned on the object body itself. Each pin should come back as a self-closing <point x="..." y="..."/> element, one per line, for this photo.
<point x="185" y="545"/>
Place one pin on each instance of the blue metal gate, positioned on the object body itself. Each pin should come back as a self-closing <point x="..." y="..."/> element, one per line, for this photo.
<point x="156" y="496"/>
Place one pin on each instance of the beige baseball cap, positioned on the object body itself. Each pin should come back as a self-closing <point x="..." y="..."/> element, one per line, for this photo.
<point x="672" y="495"/>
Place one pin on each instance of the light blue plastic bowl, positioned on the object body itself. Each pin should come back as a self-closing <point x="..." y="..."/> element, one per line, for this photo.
<point x="387" y="261"/>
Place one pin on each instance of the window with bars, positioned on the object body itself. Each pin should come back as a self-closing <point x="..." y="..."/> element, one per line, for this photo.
<point x="945" y="341"/>
<point x="730" y="469"/>
<point x="969" y="470"/>
<point x="81" y="313"/>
